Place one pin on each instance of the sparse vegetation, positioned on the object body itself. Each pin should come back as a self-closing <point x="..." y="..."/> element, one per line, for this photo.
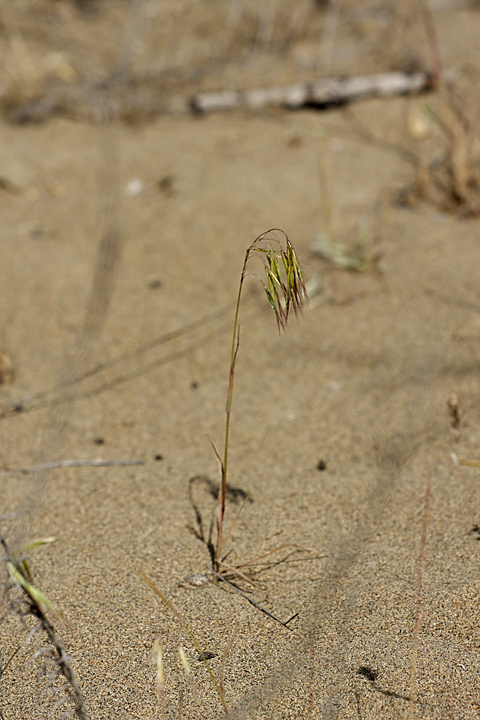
<point x="26" y="600"/>
<point x="335" y="431"/>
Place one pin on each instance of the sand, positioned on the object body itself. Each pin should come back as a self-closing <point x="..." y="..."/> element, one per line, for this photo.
<point x="338" y="425"/>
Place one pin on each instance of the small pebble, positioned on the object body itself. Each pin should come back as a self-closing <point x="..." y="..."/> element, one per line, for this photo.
<point x="207" y="655"/>
<point x="197" y="579"/>
<point x="154" y="282"/>
<point x="134" y="187"/>
<point x="166" y="185"/>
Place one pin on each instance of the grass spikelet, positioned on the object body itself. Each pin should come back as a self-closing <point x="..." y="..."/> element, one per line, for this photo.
<point x="35" y="595"/>
<point x="184" y="660"/>
<point x="284" y="286"/>
<point x="157" y="657"/>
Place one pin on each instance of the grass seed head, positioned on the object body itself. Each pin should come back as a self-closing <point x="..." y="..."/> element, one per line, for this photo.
<point x="184" y="661"/>
<point x="157" y="657"/>
<point x="284" y="285"/>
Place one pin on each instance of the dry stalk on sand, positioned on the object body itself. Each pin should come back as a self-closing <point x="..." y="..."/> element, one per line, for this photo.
<point x="285" y="292"/>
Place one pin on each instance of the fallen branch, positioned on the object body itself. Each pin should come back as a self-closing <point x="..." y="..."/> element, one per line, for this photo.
<point x="67" y="463"/>
<point x="321" y="93"/>
<point x="140" y="97"/>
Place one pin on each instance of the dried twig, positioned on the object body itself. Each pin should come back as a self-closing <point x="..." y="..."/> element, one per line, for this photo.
<point x="320" y="93"/>
<point x="323" y="93"/>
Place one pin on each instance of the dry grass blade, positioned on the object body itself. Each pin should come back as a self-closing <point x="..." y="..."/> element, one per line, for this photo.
<point x="470" y="463"/>
<point x="217" y="454"/>
<point x="157" y="657"/>
<point x="235" y="572"/>
<point x="234" y="521"/>
<point x="189" y="632"/>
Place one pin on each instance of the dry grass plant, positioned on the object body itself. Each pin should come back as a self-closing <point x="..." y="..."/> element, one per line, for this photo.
<point x="446" y="131"/>
<point x="157" y="654"/>
<point x="286" y="293"/>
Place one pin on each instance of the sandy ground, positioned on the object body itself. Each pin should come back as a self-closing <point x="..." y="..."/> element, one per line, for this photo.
<point x="336" y="426"/>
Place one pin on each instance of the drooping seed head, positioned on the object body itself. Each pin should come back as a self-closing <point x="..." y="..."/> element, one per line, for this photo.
<point x="284" y="284"/>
